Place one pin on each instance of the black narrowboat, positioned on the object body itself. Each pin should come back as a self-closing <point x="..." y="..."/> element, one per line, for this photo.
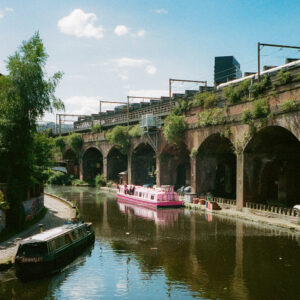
<point x="49" y="251"/>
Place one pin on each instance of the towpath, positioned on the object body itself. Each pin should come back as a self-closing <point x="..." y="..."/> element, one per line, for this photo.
<point x="58" y="212"/>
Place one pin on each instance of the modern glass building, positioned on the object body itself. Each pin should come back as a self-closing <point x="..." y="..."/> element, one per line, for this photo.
<point x="226" y="68"/>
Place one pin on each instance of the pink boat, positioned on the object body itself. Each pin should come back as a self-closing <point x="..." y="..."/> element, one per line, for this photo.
<point x="163" y="196"/>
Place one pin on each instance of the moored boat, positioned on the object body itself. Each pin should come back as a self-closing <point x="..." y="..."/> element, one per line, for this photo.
<point x="163" y="196"/>
<point x="51" y="250"/>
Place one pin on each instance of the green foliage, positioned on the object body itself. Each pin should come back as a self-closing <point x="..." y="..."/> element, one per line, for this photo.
<point x="246" y="116"/>
<point x="75" y="142"/>
<point x="96" y="128"/>
<point x="60" y="144"/>
<point x="206" y="99"/>
<point x="135" y="131"/>
<point x="213" y="116"/>
<point x="110" y="183"/>
<point x="260" y="108"/>
<point x="59" y="178"/>
<point x="183" y="105"/>
<point x="25" y="95"/>
<point x="236" y="94"/>
<point x="289" y="106"/>
<point x="174" y="129"/>
<point x="284" y="77"/>
<point x="100" y="180"/>
<point x="258" y="88"/>
<point x="119" y="137"/>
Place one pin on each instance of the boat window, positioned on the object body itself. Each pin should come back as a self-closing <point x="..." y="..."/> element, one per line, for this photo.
<point x="152" y="197"/>
<point x="33" y="249"/>
<point x="140" y="194"/>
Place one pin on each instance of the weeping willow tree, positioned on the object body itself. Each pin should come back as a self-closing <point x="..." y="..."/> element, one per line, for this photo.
<point x="25" y="95"/>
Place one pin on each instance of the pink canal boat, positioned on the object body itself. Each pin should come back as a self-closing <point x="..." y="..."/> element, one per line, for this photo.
<point x="163" y="196"/>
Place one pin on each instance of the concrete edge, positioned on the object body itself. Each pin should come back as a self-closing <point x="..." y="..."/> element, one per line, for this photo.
<point x="60" y="199"/>
<point x="242" y="216"/>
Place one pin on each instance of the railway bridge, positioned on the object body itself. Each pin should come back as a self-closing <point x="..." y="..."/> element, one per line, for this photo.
<point x="256" y="161"/>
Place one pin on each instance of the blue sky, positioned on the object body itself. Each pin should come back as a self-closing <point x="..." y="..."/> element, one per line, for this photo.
<point x="109" y="49"/>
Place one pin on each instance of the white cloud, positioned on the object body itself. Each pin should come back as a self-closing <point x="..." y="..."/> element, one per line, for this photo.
<point x="6" y="10"/>
<point x="81" y="105"/>
<point x="141" y="33"/>
<point x="161" y="11"/>
<point x="148" y="93"/>
<point x="121" y="30"/>
<point x="151" y="70"/>
<point x="129" y="62"/>
<point x="80" y="24"/>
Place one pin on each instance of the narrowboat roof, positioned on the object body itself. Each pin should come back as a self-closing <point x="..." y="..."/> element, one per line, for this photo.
<point x="51" y="233"/>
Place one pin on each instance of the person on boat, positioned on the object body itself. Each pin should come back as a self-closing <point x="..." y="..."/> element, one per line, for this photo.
<point x="125" y="189"/>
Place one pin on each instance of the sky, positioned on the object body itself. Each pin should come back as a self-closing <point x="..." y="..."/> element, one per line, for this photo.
<point x="108" y="49"/>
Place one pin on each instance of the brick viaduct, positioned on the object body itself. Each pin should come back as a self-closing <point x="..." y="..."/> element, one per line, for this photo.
<point x="228" y="160"/>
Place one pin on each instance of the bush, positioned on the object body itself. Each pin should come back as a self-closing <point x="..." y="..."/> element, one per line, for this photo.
<point x="259" y="88"/>
<point x="246" y="116"/>
<point x="289" y="106"/>
<point x="260" y="108"/>
<point x="119" y="137"/>
<point x="213" y="116"/>
<point x="235" y="94"/>
<point x="135" y="131"/>
<point x="284" y="77"/>
<point x="100" y="180"/>
<point x="110" y="183"/>
<point x="59" y="178"/>
<point x="60" y="143"/>
<point x="96" y="128"/>
<point x="75" y="142"/>
<point x="174" y="129"/>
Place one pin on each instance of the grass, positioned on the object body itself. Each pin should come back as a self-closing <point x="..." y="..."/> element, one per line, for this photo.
<point x="8" y="233"/>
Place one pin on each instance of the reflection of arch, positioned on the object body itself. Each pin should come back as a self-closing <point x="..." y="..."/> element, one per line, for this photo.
<point x="216" y="167"/>
<point x="71" y="160"/>
<point x="143" y="164"/>
<point x="92" y="162"/>
<point x="272" y="167"/>
<point x="175" y="168"/>
<point x="116" y="163"/>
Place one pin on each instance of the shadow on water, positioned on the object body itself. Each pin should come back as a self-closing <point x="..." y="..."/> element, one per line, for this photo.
<point x="13" y="288"/>
<point x="178" y="254"/>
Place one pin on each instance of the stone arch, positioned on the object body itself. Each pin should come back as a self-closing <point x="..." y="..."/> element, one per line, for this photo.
<point x="92" y="163"/>
<point x="272" y="167"/>
<point x="116" y="162"/>
<point x="175" y="167"/>
<point x="143" y="165"/>
<point x="216" y="167"/>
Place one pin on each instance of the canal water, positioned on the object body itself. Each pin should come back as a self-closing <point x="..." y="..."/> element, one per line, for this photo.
<point x="168" y="254"/>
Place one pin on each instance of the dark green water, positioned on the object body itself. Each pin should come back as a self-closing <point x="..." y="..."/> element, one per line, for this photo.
<point x="169" y="254"/>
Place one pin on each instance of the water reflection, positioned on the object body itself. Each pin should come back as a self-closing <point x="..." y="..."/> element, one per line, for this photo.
<point x="177" y="254"/>
<point x="161" y="216"/>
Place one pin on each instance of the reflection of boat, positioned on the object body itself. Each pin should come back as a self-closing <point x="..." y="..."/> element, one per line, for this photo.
<point x="149" y="197"/>
<point x="50" y="251"/>
<point x="159" y="216"/>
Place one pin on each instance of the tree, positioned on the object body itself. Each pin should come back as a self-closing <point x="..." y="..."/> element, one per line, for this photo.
<point x="25" y="95"/>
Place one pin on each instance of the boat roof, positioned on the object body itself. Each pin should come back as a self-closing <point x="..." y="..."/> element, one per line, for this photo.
<point x="51" y="233"/>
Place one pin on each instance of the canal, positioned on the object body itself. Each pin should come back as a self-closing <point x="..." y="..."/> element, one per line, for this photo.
<point x="168" y="254"/>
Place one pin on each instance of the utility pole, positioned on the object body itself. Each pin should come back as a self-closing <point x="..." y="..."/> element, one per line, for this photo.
<point x="259" y="45"/>
<point x="183" y="80"/>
